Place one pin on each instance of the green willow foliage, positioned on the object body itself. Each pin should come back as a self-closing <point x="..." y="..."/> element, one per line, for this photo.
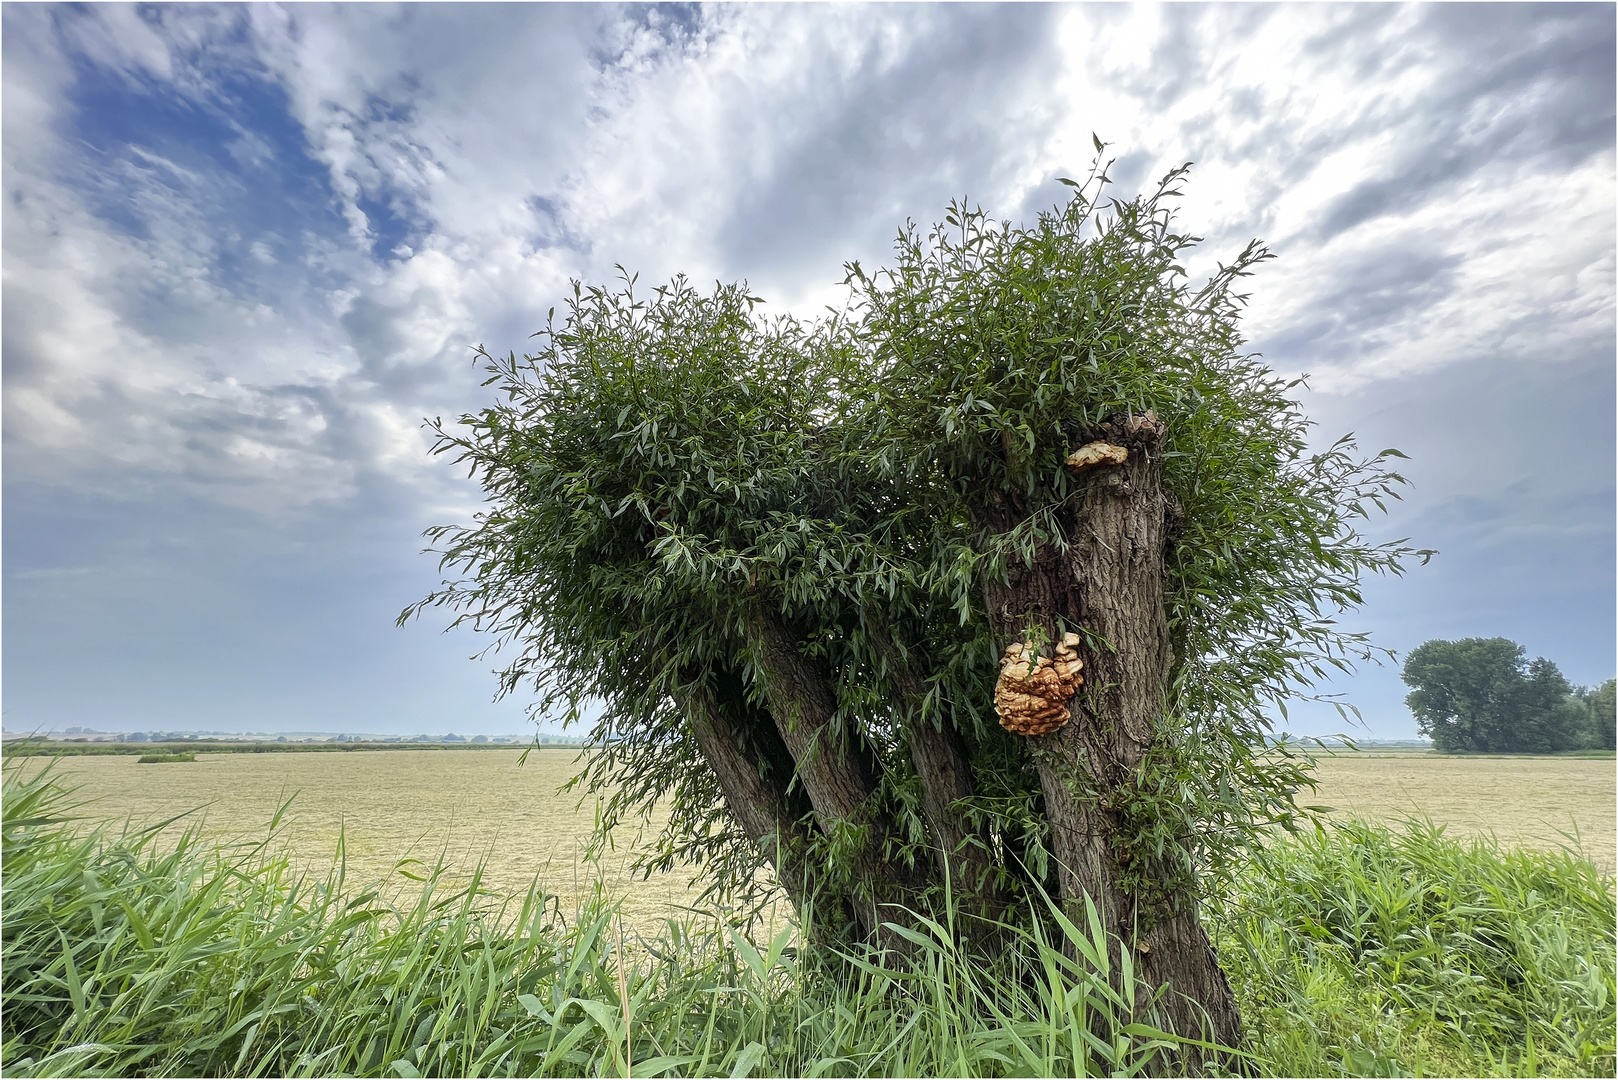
<point x="663" y="463"/>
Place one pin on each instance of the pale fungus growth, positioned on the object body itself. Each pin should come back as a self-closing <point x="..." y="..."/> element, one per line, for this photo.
<point x="1090" y="455"/>
<point x="1032" y="697"/>
<point x="1146" y="426"/>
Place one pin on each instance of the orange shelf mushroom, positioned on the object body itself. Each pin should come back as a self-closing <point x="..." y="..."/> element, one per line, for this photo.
<point x="1031" y="698"/>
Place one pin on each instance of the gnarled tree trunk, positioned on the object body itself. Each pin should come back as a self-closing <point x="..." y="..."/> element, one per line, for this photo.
<point x="838" y="772"/>
<point x="755" y="781"/>
<point x="1108" y="586"/>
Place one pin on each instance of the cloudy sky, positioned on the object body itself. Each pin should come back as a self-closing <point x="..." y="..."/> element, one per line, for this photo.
<point x="247" y="249"/>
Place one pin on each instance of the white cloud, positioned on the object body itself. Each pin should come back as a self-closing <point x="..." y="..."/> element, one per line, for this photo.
<point x="237" y="276"/>
<point x="479" y="159"/>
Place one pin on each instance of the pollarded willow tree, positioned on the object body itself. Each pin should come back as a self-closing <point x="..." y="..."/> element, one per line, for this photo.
<point x="990" y="581"/>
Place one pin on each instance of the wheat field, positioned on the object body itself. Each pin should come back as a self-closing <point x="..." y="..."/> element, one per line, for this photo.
<point x="1527" y="802"/>
<point x="387" y="808"/>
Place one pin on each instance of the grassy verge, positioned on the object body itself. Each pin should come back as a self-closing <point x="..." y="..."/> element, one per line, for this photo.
<point x="126" y="957"/>
<point x="1359" y="952"/>
<point x="1364" y="951"/>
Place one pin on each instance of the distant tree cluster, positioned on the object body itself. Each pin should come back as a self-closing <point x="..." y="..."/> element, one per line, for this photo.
<point x="1484" y="695"/>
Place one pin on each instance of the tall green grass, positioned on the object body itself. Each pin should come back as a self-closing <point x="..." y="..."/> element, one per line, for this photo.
<point x="124" y="956"/>
<point x="1358" y="952"/>
<point x="1363" y="951"/>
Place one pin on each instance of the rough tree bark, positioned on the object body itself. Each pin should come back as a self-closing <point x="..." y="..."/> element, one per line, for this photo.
<point x="757" y="805"/>
<point x="838" y="773"/>
<point x="1108" y="586"/>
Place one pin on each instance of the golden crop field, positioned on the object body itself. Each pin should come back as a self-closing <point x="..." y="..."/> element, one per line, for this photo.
<point x="389" y="806"/>
<point x="1530" y="802"/>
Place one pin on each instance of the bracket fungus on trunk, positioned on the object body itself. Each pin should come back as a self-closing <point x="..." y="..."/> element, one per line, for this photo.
<point x="1032" y="694"/>
<point x="1090" y="455"/>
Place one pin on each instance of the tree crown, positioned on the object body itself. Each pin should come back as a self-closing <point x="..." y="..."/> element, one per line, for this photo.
<point x="1484" y="695"/>
<point x="665" y="466"/>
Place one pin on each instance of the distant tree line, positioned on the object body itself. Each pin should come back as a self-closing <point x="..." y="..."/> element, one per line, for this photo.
<point x="1483" y="695"/>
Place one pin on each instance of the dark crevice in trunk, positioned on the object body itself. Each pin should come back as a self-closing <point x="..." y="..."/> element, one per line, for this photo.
<point x="762" y="741"/>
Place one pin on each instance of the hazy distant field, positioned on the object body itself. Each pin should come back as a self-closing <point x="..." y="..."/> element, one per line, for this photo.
<point x="393" y="806"/>
<point x="1524" y="801"/>
<point x="386" y="807"/>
